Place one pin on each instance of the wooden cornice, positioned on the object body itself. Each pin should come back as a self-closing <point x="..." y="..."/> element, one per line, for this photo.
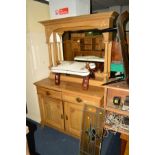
<point x="84" y="22"/>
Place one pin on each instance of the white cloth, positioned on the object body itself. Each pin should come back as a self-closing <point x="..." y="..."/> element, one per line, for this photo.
<point x="73" y="67"/>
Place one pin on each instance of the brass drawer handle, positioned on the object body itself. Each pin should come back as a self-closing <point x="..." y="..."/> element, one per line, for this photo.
<point x="47" y="93"/>
<point x="78" y="99"/>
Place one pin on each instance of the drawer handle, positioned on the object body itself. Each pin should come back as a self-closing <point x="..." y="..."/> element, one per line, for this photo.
<point x="78" y="99"/>
<point x="47" y="93"/>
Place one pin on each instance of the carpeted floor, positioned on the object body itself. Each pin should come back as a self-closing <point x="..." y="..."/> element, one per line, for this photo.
<point x="51" y="142"/>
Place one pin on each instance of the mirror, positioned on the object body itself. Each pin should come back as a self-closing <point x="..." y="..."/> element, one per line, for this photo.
<point x="89" y="46"/>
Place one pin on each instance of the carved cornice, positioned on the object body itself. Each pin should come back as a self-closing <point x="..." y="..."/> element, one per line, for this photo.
<point x="84" y="22"/>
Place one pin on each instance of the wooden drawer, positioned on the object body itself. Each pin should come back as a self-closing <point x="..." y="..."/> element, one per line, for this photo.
<point x="75" y="46"/>
<point x="49" y="92"/>
<point x="99" y="40"/>
<point x="88" y="40"/>
<point x="111" y="93"/>
<point x="88" y="47"/>
<point x="76" y="98"/>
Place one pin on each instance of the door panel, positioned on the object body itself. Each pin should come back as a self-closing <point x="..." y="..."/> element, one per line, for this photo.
<point x="54" y="112"/>
<point x="73" y="119"/>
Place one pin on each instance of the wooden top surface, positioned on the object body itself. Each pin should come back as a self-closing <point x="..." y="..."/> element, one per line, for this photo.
<point x="64" y="86"/>
<point x="84" y="22"/>
<point x="96" y="16"/>
<point x="119" y="85"/>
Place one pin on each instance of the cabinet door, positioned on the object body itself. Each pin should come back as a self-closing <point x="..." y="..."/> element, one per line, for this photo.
<point x="54" y="112"/>
<point x="73" y="118"/>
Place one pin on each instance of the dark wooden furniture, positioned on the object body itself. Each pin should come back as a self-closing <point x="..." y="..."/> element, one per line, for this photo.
<point x="32" y="127"/>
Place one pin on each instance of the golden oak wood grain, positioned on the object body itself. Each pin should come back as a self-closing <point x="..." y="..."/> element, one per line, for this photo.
<point x="61" y="107"/>
<point x="120" y="89"/>
<point x="49" y="92"/>
<point x="83" y="22"/>
<point x="71" y="87"/>
<point x="98" y="21"/>
<point x="54" y="112"/>
<point x="73" y="118"/>
<point x="76" y="79"/>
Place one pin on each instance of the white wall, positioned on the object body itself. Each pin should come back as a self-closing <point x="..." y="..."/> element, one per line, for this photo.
<point x="120" y="9"/>
<point x="36" y="54"/>
<point x="82" y="7"/>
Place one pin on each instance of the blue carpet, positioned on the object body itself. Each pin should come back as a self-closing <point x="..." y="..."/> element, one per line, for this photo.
<point x="51" y="142"/>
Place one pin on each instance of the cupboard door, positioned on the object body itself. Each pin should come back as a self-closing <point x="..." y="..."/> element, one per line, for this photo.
<point x="73" y="118"/>
<point x="54" y="112"/>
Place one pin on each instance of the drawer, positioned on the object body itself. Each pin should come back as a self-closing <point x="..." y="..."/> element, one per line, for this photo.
<point x="50" y="93"/>
<point x="88" y="47"/>
<point x="76" y="98"/>
<point x="87" y="40"/>
<point x="117" y="99"/>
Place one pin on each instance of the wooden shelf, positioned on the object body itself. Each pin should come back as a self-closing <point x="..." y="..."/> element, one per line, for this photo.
<point x="123" y="131"/>
<point x="90" y="51"/>
<point x="121" y="112"/>
<point x="90" y="44"/>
